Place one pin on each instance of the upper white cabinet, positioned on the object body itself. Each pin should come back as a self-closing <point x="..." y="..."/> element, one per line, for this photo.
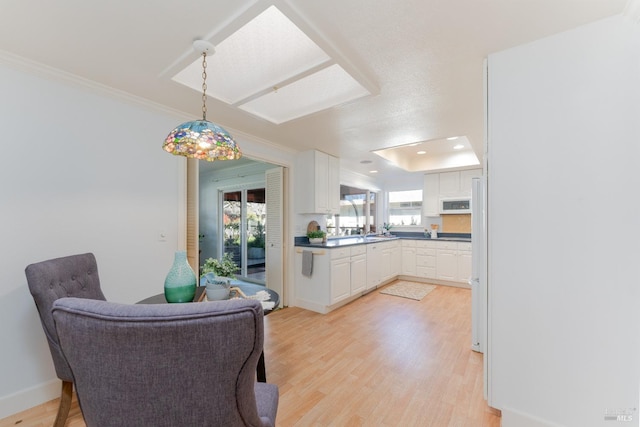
<point x="317" y="183"/>
<point x="455" y="184"/>
<point x="465" y="180"/>
<point x="431" y="195"/>
<point x="445" y="184"/>
<point x="449" y="184"/>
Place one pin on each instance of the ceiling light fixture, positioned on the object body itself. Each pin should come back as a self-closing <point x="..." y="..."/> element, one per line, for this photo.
<point x="458" y="147"/>
<point x="202" y="139"/>
<point x="421" y="152"/>
<point x="374" y="171"/>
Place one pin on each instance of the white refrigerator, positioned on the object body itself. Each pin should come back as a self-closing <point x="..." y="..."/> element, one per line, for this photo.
<point x="478" y="280"/>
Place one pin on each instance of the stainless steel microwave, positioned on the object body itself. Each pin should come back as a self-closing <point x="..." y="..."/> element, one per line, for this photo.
<point x="455" y="205"/>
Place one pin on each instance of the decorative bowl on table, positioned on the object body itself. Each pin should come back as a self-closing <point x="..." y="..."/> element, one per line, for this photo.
<point x="315" y="240"/>
<point x="217" y="288"/>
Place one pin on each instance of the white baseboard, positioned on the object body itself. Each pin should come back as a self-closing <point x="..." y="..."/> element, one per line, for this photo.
<point x="30" y="397"/>
<point x="514" y="418"/>
<point x="434" y="281"/>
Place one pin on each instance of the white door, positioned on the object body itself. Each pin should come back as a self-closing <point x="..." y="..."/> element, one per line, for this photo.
<point x="275" y="231"/>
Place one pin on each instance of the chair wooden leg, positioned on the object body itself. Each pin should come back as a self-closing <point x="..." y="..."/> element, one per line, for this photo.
<point x="65" y="404"/>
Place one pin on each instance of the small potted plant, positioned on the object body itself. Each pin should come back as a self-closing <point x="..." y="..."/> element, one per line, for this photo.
<point x="316" y="236"/>
<point x="217" y="275"/>
<point x="387" y="227"/>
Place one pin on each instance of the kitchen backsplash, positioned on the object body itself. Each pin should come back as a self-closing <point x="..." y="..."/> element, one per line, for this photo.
<point x="456" y="223"/>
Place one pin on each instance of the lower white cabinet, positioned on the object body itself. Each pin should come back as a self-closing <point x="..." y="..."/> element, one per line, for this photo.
<point x="358" y="273"/>
<point x="396" y="258"/>
<point x="374" y="265"/>
<point x="464" y="262"/>
<point x="453" y="262"/>
<point x="382" y="263"/>
<point x="408" y="266"/>
<point x="426" y="259"/>
<point x="340" y="279"/>
<point x="446" y="264"/>
<point x="342" y="274"/>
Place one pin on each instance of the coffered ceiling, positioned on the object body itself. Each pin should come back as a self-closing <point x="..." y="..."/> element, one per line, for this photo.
<point x="420" y="60"/>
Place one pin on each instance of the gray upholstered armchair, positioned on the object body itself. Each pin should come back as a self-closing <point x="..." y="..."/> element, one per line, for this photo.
<point x="70" y="276"/>
<point x="166" y="364"/>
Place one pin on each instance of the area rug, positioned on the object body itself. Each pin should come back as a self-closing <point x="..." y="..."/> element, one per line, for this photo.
<point x="411" y="290"/>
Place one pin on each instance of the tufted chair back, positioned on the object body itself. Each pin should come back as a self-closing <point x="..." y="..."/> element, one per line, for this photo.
<point x="167" y="365"/>
<point x="70" y="276"/>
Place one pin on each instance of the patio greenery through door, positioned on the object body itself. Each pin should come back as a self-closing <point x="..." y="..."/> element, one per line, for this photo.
<point x="244" y="217"/>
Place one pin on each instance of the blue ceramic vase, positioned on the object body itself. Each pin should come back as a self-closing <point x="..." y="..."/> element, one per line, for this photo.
<point x="180" y="283"/>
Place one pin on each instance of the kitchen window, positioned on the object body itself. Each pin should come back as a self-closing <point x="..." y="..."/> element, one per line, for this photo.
<point x="405" y="208"/>
<point x="357" y="213"/>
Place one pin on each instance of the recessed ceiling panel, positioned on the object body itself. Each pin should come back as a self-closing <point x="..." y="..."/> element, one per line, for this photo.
<point x="273" y="70"/>
<point x="429" y="155"/>
<point x="327" y="88"/>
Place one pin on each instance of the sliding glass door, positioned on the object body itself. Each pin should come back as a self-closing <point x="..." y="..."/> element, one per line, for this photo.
<point x="243" y="222"/>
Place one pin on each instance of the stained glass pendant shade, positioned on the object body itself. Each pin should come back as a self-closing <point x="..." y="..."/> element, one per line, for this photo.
<point x="202" y="139"/>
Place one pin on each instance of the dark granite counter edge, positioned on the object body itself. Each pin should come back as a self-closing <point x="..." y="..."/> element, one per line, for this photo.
<point x="352" y="240"/>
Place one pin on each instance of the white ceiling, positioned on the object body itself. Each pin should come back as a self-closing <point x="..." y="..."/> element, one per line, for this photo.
<point x="422" y="58"/>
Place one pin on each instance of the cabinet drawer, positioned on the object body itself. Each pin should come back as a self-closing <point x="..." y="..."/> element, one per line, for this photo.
<point x="340" y="253"/>
<point x="393" y="245"/>
<point x="426" y="261"/>
<point x="426" y="251"/>
<point x="448" y="245"/>
<point x="426" y="244"/>
<point x="408" y="243"/>
<point x="462" y="246"/>
<point x="358" y="250"/>
<point x="426" y="272"/>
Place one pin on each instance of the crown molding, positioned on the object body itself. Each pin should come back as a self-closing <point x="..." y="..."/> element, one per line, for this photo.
<point x="50" y="73"/>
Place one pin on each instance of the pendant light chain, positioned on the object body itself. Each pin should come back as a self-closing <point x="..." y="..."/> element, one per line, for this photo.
<point x="204" y="85"/>
<point x="201" y="139"/>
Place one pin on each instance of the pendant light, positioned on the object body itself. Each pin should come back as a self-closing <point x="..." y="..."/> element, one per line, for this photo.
<point x="202" y="139"/>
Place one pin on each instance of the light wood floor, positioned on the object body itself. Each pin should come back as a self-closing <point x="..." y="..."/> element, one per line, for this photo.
<point x="379" y="361"/>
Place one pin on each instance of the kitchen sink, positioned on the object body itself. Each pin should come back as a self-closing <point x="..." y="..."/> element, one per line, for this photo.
<point x="378" y="238"/>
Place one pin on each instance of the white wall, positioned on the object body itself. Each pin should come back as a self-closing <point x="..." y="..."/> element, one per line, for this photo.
<point x="564" y="145"/>
<point x="83" y="170"/>
<point x="80" y="172"/>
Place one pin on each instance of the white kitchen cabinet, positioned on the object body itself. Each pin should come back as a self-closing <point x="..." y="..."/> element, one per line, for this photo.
<point x="465" y="180"/>
<point x="431" y="195"/>
<point x="396" y="258"/>
<point x="447" y="264"/>
<point x="382" y="263"/>
<point x="340" y="279"/>
<point x="358" y="273"/>
<point x="385" y="263"/>
<point x="317" y="183"/>
<point x="374" y="265"/>
<point x="449" y="184"/>
<point x="453" y="261"/>
<point x="456" y="184"/>
<point x="338" y="274"/>
<point x="333" y="182"/>
<point x="408" y="267"/>
<point x="426" y="259"/>
<point x="464" y="262"/>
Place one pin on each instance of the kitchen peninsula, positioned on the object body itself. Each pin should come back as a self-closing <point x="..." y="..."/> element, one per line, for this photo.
<point x="344" y="269"/>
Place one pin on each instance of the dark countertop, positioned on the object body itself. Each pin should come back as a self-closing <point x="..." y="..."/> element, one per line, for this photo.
<point x="338" y="242"/>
